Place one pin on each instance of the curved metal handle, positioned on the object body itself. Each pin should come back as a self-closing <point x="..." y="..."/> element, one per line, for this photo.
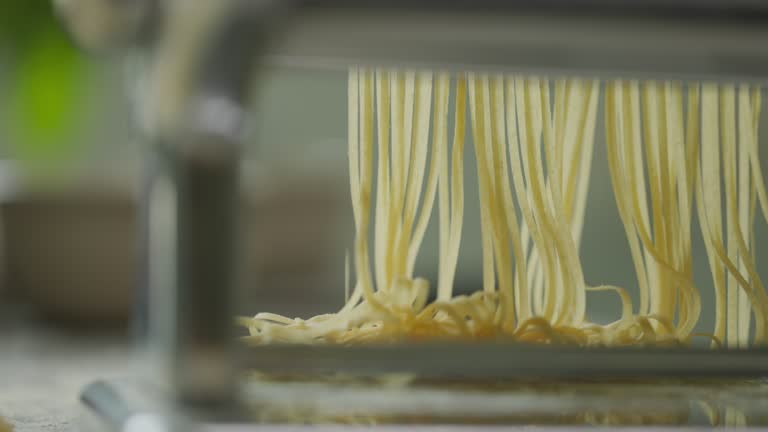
<point x="107" y="24"/>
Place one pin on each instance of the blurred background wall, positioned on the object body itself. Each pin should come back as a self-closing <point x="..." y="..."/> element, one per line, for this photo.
<point x="65" y="171"/>
<point x="70" y="163"/>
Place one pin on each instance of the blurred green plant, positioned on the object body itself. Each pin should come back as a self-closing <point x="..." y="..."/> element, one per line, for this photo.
<point x="22" y="19"/>
<point x="47" y="91"/>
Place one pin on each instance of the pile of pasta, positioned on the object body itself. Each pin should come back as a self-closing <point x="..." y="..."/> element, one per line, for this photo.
<point x="675" y="152"/>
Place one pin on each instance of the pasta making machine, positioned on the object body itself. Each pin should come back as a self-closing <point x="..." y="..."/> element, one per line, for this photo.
<point x="198" y="60"/>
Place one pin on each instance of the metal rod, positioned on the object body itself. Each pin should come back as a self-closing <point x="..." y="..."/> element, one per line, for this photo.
<point x="680" y="39"/>
<point x="120" y="406"/>
<point x="719" y="9"/>
<point x="200" y="84"/>
<point x="508" y="361"/>
<point x="107" y="406"/>
<point x="206" y="186"/>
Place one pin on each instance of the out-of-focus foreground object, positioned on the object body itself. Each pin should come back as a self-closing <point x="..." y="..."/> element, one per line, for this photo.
<point x="106" y="24"/>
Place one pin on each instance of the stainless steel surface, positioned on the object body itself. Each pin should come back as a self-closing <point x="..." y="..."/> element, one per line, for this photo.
<point x="127" y="406"/>
<point x="103" y="399"/>
<point x="199" y="83"/>
<point x="715" y="39"/>
<point x="122" y="406"/>
<point x="192" y="194"/>
<point x="596" y="403"/>
<point x="508" y="361"/>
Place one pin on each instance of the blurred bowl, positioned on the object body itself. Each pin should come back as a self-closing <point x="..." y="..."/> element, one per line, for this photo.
<point x="72" y="253"/>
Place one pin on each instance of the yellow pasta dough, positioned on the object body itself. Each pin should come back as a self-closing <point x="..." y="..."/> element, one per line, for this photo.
<point x="674" y="151"/>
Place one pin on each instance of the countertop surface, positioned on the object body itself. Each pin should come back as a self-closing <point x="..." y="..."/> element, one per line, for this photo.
<point x="43" y="367"/>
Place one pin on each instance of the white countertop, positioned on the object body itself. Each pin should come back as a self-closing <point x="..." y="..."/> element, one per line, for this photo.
<point x="43" y="369"/>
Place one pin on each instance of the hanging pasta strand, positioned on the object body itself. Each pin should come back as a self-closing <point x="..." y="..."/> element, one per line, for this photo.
<point x="478" y="115"/>
<point x="660" y="244"/>
<point x="361" y="95"/>
<point x="412" y="237"/>
<point x="735" y="254"/>
<point x="383" y="182"/>
<point x="530" y="192"/>
<point x="451" y="192"/>
<point x="579" y="150"/>
<point x="745" y="200"/>
<point x="690" y="298"/>
<point x="512" y="300"/>
<point x="728" y="144"/>
<point x="671" y="149"/>
<point x="621" y="127"/>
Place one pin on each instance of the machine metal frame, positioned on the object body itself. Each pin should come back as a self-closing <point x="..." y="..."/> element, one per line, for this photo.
<point x="202" y="58"/>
